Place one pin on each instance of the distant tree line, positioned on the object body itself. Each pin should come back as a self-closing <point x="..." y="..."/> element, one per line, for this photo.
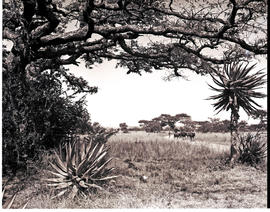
<point x="166" y="122"/>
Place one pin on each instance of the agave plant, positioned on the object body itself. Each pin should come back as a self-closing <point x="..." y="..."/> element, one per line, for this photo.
<point x="236" y="89"/>
<point x="80" y="166"/>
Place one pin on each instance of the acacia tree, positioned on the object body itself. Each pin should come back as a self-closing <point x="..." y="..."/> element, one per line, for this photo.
<point x="262" y="116"/>
<point x="186" y="31"/>
<point x="124" y="127"/>
<point x="142" y="35"/>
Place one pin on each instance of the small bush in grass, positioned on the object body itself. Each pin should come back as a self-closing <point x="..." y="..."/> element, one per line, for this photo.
<point x="252" y="148"/>
<point x="79" y="167"/>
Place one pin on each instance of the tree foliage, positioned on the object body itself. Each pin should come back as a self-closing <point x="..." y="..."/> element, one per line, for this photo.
<point x="124" y="127"/>
<point x="181" y="34"/>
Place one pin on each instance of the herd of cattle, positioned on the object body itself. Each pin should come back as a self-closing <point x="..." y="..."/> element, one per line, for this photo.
<point x="190" y="135"/>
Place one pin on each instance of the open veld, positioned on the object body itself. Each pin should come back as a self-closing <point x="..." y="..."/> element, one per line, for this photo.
<point x="157" y="171"/>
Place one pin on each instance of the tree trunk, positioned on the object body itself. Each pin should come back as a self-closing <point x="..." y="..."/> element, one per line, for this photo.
<point x="234" y="134"/>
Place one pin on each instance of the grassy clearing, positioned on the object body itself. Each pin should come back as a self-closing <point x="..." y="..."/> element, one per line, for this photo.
<point x="180" y="174"/>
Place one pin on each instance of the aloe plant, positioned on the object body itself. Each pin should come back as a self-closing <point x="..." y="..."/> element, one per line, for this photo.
<point x="237" y="89"/>
<point x="252" y="148"/>
<point x="80" y="166"/>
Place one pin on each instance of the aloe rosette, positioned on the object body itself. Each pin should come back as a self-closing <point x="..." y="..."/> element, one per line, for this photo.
<point x="80" y="166"/>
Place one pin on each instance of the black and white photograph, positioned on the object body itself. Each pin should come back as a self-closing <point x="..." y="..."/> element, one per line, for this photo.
<point x="134" y="104"/>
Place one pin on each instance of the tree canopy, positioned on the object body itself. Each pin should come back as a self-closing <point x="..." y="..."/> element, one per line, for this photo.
<point x="141" y="35"/>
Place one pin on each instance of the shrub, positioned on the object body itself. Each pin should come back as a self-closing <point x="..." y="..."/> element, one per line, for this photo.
<point x="252" y="148"/>
<point x="40" y="116"/>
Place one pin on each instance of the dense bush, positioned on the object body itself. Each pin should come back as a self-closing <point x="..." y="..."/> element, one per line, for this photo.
<point x="36" y="114"/>
<point x="252" y="148"/>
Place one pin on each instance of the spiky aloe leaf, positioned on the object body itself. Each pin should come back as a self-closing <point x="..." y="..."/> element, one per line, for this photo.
<point x="100" y="168"/>
<point x="9" y="202"/>
<point x="94" y="186"/>
<point x="61" y="185"/>
<point x="60" y="193"/>
<point x="106" y="178"/>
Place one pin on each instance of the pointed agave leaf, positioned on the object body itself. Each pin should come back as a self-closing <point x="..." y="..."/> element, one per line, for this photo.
<point x="73" y="153"/>
<point x="57" y="174"/>
<point x="107" y="171"/>
<point x="100" y="157"/>
<point x="236" y="83"/>
<point x="220" y="84"/>
<point x="97" y="171"/>
<point x="215" y="97"/>
<point x="246" y="70"/>
<point x="254" y="84"/>
<point x="91" y="169"/>
<point x="60" y="193"/>
<point x="106" y="178"/>
<point x="215" y="89"/>
<point x="58" y="170"/>
<point x="233" y="70"/>
<point x="83" y="165"/>
<point x="93" y="164"/>
<point x="59" y="162"/>
<point x="94" y="186"/>
<point x="56" y="180"/>
<point x="74" y="192"/>
<point x="226" y="70"/>
<point x="92" y="153"/>
<point x="70" y="155"/>
<point x="9" y="202"/>
<point x="87" y="161"/>
<point x="99" y="150"/>
<point x="61" y="185"/>
<point x="24" y="206"/>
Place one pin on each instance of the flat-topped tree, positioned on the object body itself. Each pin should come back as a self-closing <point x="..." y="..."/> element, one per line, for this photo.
<point x="237" y="88"/>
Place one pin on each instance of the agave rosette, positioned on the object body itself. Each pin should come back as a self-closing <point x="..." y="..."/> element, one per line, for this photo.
<point x="80" y="166"/>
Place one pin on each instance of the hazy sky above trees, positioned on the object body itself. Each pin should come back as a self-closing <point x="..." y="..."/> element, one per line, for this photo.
<point x="129" y="97"/>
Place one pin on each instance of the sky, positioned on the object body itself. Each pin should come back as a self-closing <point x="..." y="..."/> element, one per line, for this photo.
<point x="130" y="97"/>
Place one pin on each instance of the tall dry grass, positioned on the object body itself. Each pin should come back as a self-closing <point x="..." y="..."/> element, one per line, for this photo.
<point x="180" y="174"/>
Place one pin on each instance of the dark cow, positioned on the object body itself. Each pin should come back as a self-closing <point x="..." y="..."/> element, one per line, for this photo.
<point x="180" y="134"/>
<point x="191" y="135"/>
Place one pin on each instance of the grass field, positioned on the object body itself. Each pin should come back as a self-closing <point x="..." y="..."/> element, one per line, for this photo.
<point x="180" y="174"/>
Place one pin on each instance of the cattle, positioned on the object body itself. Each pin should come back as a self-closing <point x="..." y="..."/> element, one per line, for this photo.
<point x="180" y="134"/>
<point x="191" y="135"/>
